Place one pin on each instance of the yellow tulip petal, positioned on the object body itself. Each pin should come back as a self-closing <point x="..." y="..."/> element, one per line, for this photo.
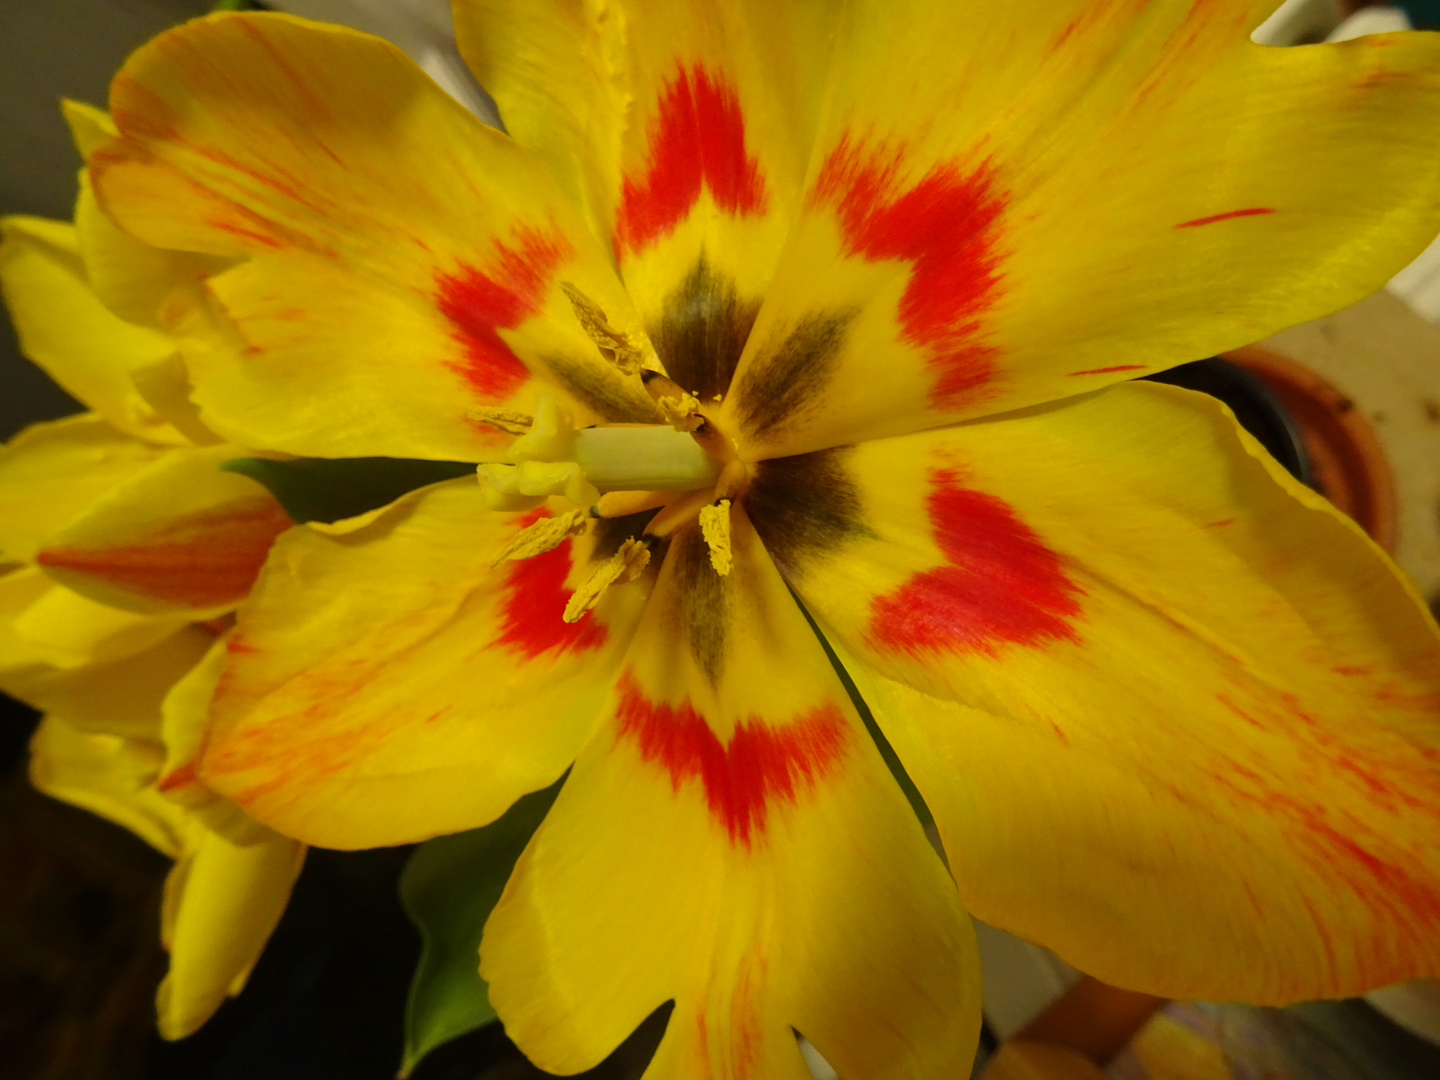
<point x="403" y="263"/>
<point x="179" y="536"/>
<point x="93" y="772"/>
<point x="684" y="130"/>
<point x="731" y="840"/>
<point x="387" y="684"/>
<point x="1175" y="716"/>
<point x="119" y="696"/>
<point x="1012" y="203"/>
<point x="184" y="720"/>
<point x="131" y="278"/>
<point x="63" y="326"/>
<point x="67" y="630"/>
<point x="224" y="901"/>
<point x="90" y="128"/>
<point x="19" y="589"/>
<point x="53" y="472"/>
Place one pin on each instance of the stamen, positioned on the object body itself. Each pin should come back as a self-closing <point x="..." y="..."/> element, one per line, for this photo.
<point x="680" y="512"/>
<point x="715" y="527"/>
<point x="614" y="504"/>
<point x="625" y="565"/>
<point x="545" y="535"/>
<point x="614" y="345"/>
<point x="508" y="420"/>
<point x="680" y="409"/>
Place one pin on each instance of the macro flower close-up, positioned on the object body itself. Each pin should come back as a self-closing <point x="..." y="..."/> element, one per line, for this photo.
<point x="794" y="346"/>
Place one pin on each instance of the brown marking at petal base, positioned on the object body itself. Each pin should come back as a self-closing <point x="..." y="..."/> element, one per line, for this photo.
<point x="610" y="533"/>
<point x="703" y="331"/>
<point x="702" y="613"/>
<point x="791" y="370"/>
<point x="607" y="393"/>
<point x="804" y="507"/>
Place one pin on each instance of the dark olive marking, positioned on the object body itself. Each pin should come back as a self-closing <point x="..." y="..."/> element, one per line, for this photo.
<point x="702" y="611"/>
<point x="806" y="506"/>
<point x="703" y="331"/>
<point x="789" y="372"/>
<point x="617" y="398"/>
<point x="610" y="533"/>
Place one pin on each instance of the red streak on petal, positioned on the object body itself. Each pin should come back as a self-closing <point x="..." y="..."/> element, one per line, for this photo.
<point x="203" y="560"/>
<point x="535" y="599"/>
<point x="698" y="138"/>
<point x="183" y="776"/>
<point x="1241" y="713"/>
<point x="242" y="233"/>
<point x="1002" y="584"/>
<point x="763" y="761"/>
<point x="946" y="227"/>
<point x="1249" y="212"/>
<point x="1108" y="370"/>
<point x="479" y="303"/>
<point x="1329" y="840"/>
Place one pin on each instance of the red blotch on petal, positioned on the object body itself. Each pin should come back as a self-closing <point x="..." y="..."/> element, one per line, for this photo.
<point x="762" y="762"/>
<point x="535" y="599"/>
<point x="204" y="560"/>
<point x="946" y="227"/>
<point x="1001" y="585"/>
<point x="697" y="139"/>
<point x="481" y="302"/>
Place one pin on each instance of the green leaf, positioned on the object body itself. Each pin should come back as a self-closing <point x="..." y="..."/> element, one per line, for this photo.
<point x="448" y="889"/>
<point x="326" y="489"/>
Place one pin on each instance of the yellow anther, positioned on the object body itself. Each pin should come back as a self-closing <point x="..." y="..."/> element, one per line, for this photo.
<point x="525" y="486"/>
<point x="545" y="535"/>
<point x="680" y="408"/>
<point x="614" y="345"/>
<point x="715" y="527"/>
<point x="509" y="420"/>
<point x="625" y="565"/>
<point x="682" y="413"/>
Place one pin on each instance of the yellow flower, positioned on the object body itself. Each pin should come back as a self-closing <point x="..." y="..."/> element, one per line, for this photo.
<point x="120" y="544"/>
<point x="1174" y="716"/>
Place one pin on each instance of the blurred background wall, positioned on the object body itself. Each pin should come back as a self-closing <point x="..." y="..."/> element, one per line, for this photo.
<point x="51" y="49"/>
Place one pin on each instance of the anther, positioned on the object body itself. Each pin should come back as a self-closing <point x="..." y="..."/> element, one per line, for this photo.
<point x="507" y="420"/>
<point x="680" y="408"/>
<point x="715" y="528"/>
<point x="625" y="565"/>
<point x="545" y="535"/>
<point x="614" y="345"/>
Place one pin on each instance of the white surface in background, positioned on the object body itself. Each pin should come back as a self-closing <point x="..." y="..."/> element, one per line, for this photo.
<point x="1017" y="979"/>
<point x="421" y="27"/>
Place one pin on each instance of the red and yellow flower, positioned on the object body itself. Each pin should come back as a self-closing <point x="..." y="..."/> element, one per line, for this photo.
<point x="1174" y="716"/>
<point x="122" y="551"/>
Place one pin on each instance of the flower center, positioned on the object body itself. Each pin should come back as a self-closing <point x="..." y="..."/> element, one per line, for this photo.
<point x="686" y="471"/>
